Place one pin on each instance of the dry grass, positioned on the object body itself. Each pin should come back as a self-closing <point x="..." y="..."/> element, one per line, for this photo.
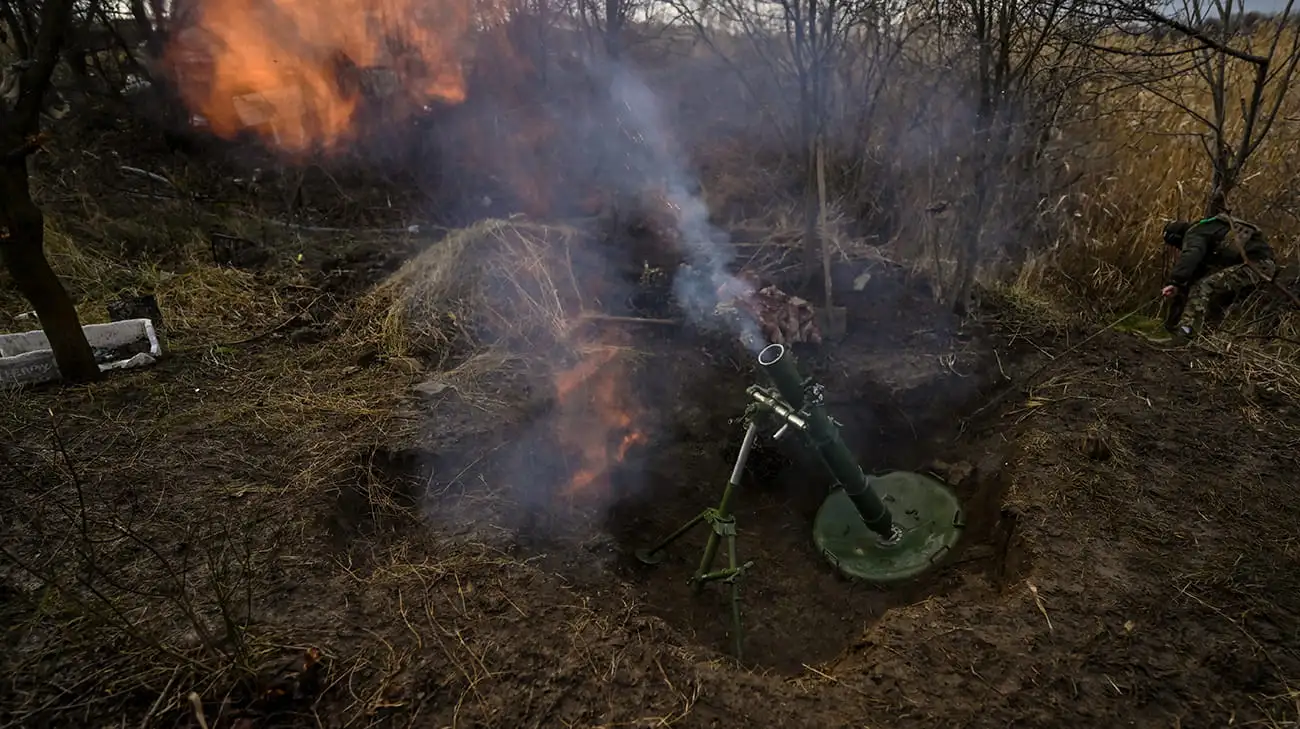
<point x="485" y="298"/>
<point x="1133" y="160"/>
<point x="203" y="303"/>
<point x="1154" y="168"/>
<point x="160" y="483"/>
<point x="278" y="430"/>
<point x="495" y="281"/>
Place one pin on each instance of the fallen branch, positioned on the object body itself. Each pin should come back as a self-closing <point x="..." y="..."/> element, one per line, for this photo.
<point x="627" y="319"/>
<point x="414" y="229"/>
<point x="277" y="327"/>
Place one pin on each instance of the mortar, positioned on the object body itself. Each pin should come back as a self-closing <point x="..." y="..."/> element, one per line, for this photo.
<point x="884" y="529"/>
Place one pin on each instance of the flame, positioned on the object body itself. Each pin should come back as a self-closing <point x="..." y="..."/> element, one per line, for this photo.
<point x="282" y="67"/>
<point x="597" y="419"/>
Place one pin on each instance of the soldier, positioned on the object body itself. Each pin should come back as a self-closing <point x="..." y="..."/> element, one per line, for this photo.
<point x="1220" y="255"/>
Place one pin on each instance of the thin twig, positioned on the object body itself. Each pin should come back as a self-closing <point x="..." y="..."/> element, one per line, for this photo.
<point x="176" y="674"/>
<point x="76" y="479"/>
<point x="627" y="319"/>
<point x="1277" y="667"/>
<point x="413" y="229"/>
<point x="146" y="173"/>
<point x="1268" y="337"/>
<point x="277" y="327"/>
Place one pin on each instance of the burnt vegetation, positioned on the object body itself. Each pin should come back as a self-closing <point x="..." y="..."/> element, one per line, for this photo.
<point x="436" y="283"/>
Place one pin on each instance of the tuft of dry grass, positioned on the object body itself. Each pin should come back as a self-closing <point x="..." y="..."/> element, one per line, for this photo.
<point x="201" y="303"/>
<point x="499" y="282"/>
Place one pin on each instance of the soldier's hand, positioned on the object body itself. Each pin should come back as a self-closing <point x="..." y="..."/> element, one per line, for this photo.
<point x="1168" y="291"/>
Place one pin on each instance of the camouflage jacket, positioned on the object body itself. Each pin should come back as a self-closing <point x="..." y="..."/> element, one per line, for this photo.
<point x="1208" y="245"/>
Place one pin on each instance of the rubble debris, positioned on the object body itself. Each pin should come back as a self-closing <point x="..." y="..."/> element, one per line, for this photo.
<point x="782" y="318"/>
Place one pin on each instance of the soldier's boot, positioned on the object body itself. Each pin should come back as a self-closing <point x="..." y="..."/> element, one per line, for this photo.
<point x="1173" y="317"/>
<point x="1184" y="333"/>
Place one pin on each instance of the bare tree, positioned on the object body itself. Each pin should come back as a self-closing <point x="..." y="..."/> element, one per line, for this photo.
<point x="1215" y="41"/>
<point x="1018" y="65"/>
<point x="803" y="46"/>
<point x="988" y="79"/>
<point x="22" y="225"/>
<point x="607" y="20"/>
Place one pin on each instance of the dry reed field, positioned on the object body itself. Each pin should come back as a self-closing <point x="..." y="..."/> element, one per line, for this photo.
<point x="424" y="396"/>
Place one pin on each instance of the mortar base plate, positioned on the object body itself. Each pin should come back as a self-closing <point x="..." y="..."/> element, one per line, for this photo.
<point x="927" y="511"/>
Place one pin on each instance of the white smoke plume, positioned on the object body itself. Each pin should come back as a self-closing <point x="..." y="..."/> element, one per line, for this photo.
<point x="708" y="249"/>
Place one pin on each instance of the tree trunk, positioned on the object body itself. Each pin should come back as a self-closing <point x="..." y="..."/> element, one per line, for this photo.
<point x="808" y="136"/>
<point x="827" y="286"/>
<point x="967" y="247"/>
<point x="22" y="251"/>
<point x="614" y="13"/>
<point x="1221" y="185"/>
<point x="812" y="243"/>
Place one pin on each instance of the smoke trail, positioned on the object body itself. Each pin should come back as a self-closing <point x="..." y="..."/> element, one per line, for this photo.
<point x="709" y="252"/>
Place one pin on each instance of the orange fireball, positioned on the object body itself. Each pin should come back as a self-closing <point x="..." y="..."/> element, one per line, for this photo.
<point x="281" y="68"/>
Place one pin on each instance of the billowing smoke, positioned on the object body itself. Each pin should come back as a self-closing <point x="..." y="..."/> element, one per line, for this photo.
<point x="707" y="280"/>
<point x="597" y="127"/>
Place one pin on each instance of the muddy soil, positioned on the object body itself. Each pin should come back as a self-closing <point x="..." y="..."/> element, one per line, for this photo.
<point x="896" y="383"/>
<point x="1127" y="559"/>
<point x="1130" y="558"/>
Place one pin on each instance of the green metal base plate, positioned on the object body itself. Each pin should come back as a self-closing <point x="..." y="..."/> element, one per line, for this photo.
<point x="927" y="511"/>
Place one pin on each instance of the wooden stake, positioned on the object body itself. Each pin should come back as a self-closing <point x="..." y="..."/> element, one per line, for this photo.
<point x="821" y="220"/>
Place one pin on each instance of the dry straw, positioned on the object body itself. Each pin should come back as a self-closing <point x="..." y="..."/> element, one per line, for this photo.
<point x="499" y="283"/>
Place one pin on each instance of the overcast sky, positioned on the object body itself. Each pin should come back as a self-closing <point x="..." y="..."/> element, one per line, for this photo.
<point x="1208" y="7"/>
<point x="1268" y="6"/>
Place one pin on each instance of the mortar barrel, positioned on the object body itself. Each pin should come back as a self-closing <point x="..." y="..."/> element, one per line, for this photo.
<point x="825" y="436"/>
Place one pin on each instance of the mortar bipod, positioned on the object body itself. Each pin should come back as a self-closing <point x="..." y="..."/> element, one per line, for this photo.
<point x="722" y="526"/>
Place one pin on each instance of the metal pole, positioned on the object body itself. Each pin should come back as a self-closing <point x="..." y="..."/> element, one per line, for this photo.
<point x="825" y="437"/>
<point x="738" y="639"/>
<point x="723" y="515"/>
<point x="651" y="556"/>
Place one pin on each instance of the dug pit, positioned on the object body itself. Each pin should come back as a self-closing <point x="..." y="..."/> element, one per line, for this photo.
<point x="898" y="395"/>
<point x="797" y="609"/>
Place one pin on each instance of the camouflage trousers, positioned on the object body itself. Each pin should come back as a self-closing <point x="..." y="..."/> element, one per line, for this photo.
<point x="1240" y="278"/>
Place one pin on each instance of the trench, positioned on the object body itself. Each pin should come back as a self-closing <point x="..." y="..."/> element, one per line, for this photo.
<point x="797" y="609"/>
<point x="898" y="410"/>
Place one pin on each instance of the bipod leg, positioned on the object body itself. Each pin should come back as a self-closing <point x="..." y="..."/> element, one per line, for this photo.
<point x="654" y="555"/>
<point x="723" y="528"/>
<point x="737" y="636"/>
<point x="722" y="520"/>
<point x="731" y="575"/>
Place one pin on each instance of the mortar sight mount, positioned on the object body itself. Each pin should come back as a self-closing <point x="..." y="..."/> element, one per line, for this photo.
<point x="884" y="529"/>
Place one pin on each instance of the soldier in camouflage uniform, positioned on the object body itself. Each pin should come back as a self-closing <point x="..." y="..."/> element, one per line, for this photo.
<point x="1220" y="256"/>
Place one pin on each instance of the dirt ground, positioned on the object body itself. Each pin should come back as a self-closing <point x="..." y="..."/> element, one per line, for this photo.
<point x="272" y="519"/>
